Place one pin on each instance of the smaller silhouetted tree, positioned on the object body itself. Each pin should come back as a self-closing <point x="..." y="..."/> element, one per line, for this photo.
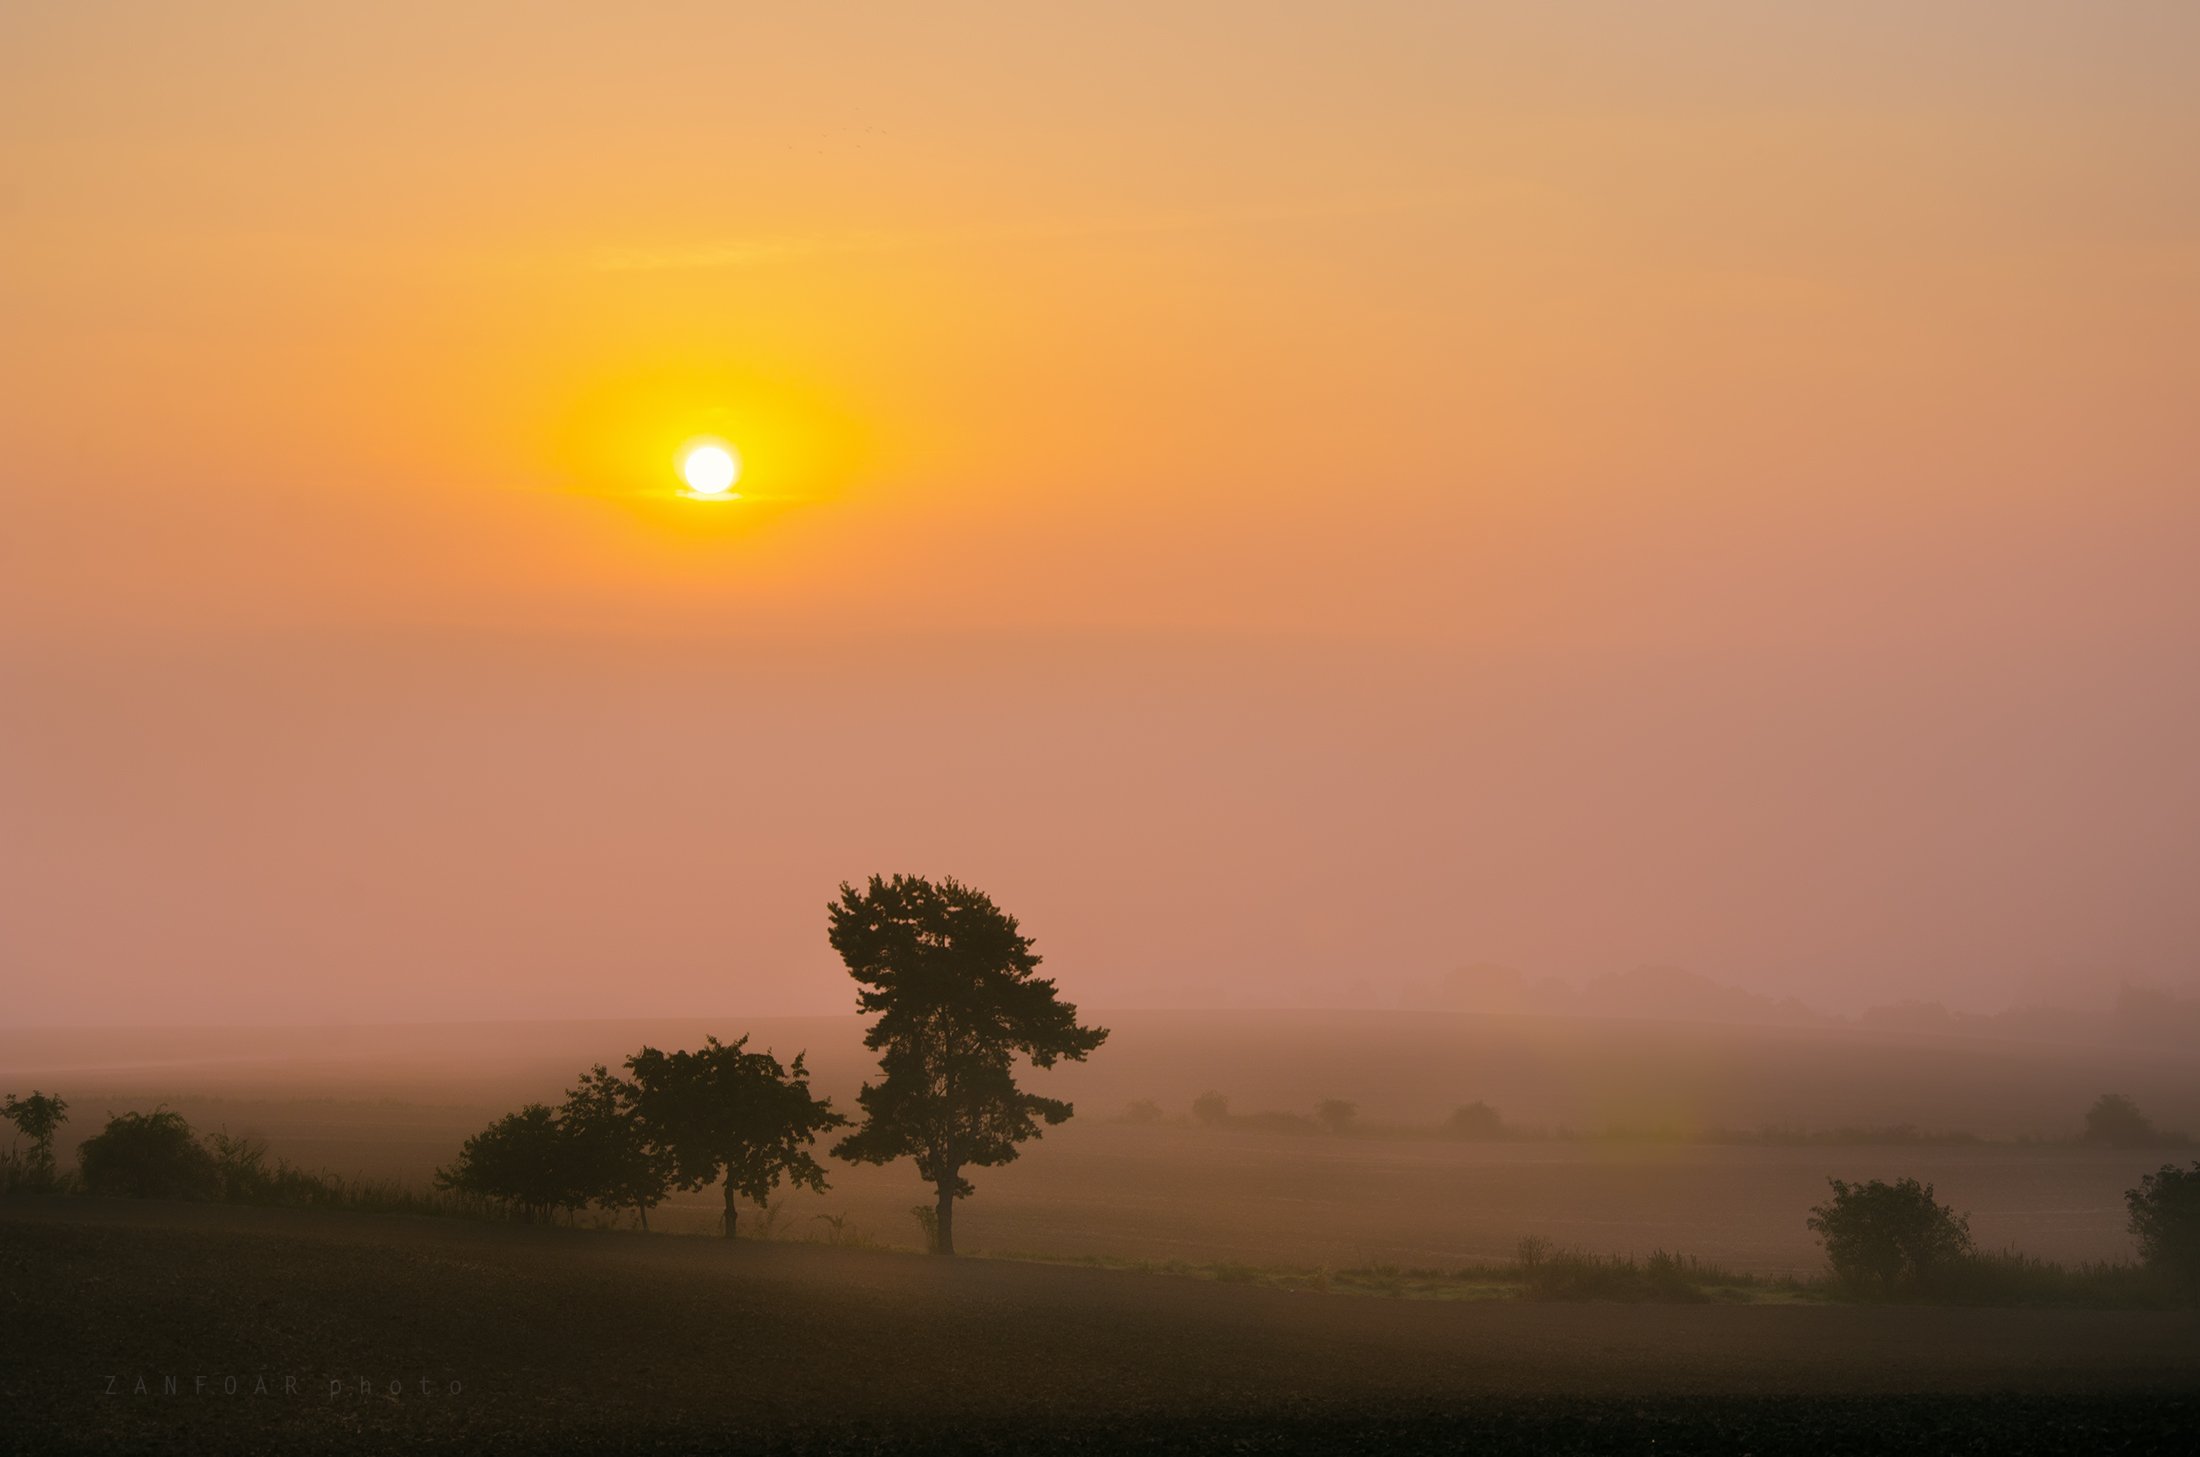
<point x="147" y="1156"/>
<point x="1889" y="1237"/>
<point x="2114" y="1121"/>
<point x="1211" y="1108"/>
<point x="1143" y="1110"/>
<point x="1336" y="1115"/>
<point x="722" y="1112"/>
<point x="2165" y="1219"/>
<point x="614" y="1160"/>
<point x="523" y="1160"/>
<point x="37" y="1118"/>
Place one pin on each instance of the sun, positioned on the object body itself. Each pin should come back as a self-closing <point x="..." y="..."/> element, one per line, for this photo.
<point x="710" y="469"/>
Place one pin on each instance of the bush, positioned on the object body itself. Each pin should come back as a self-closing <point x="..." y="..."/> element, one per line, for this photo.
<point x="1336" y="1115"/>
<point x="1145" y="1110"/>
<point x="2114" y="1121"/>
<point x="148" y="1156"/>
<point x="1211" y="1108"/>
<point x="2165" y="1219"/>
<point x="1889" y="1237"/>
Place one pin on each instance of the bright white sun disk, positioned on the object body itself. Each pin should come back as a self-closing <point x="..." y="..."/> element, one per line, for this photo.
<point x="710" y="470"/>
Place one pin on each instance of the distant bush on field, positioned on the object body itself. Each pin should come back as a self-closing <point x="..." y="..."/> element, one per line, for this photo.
<point x="2165" y="1220"/>
<point x="1144" y="1110"/>
<point x="2114" y="1121"/>
<point x="1886" y="1238"/>
<point x="148" y="1156"/>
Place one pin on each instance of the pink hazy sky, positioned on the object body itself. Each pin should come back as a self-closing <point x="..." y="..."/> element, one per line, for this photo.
<point x="1289" y="498"/>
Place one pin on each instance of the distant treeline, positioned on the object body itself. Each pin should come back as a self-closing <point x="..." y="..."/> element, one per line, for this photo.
<point x="2114" y="1121"/>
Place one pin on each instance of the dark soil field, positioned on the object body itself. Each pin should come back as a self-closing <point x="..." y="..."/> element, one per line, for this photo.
<point x="187" y="1328"/>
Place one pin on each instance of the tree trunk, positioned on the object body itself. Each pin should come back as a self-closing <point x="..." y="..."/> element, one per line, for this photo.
<point x="643" y="1210"/>
<point x="731" y="1215"/>
<point x="943" y="1242"/>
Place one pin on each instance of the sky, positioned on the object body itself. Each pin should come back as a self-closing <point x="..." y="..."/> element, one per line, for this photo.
<point x="1289" y="498"/>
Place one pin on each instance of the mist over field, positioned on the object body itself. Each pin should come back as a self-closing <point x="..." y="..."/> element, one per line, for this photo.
<point x="1617" y="1136"/>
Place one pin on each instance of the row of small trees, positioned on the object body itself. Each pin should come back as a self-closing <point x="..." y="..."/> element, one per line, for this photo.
<point x="952" y="982"/>
<point x="682" y="1120"/>
<point x="949" y="977"/>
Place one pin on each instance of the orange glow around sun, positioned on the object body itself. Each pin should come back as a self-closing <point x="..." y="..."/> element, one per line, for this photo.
<point x="695" y="434"/>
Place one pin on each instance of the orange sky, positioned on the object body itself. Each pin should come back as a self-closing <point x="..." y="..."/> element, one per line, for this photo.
<point x="1291" y="498"/>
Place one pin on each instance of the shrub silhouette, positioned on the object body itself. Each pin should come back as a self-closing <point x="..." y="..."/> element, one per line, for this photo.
<point x="952" y="979"/>
<point x="1143" y="1110"/>
<point x="2114" y="1121"/>
<point x="2165" y="1219"/>
<point x="1211" y="1108"/>
<point x="148" y="1156"/>
<point x="1889" y="1237"/>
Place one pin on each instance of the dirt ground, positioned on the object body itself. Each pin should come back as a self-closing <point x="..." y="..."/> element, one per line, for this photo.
<point x="154" y="1327"/>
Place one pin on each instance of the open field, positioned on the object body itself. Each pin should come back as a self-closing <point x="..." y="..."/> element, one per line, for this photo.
<point x="560" y="1338"/>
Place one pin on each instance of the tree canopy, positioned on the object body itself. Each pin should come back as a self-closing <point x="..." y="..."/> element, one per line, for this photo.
<point x="524" y="1160"/>
<point x="953" y="982"/>
<point x="613" y="1159"/>
<point x="722" y="1111"/>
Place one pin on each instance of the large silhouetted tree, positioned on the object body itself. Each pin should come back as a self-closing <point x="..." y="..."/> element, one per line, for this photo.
<point x="722" y="1111"/>
<point x="951" y="979"/>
